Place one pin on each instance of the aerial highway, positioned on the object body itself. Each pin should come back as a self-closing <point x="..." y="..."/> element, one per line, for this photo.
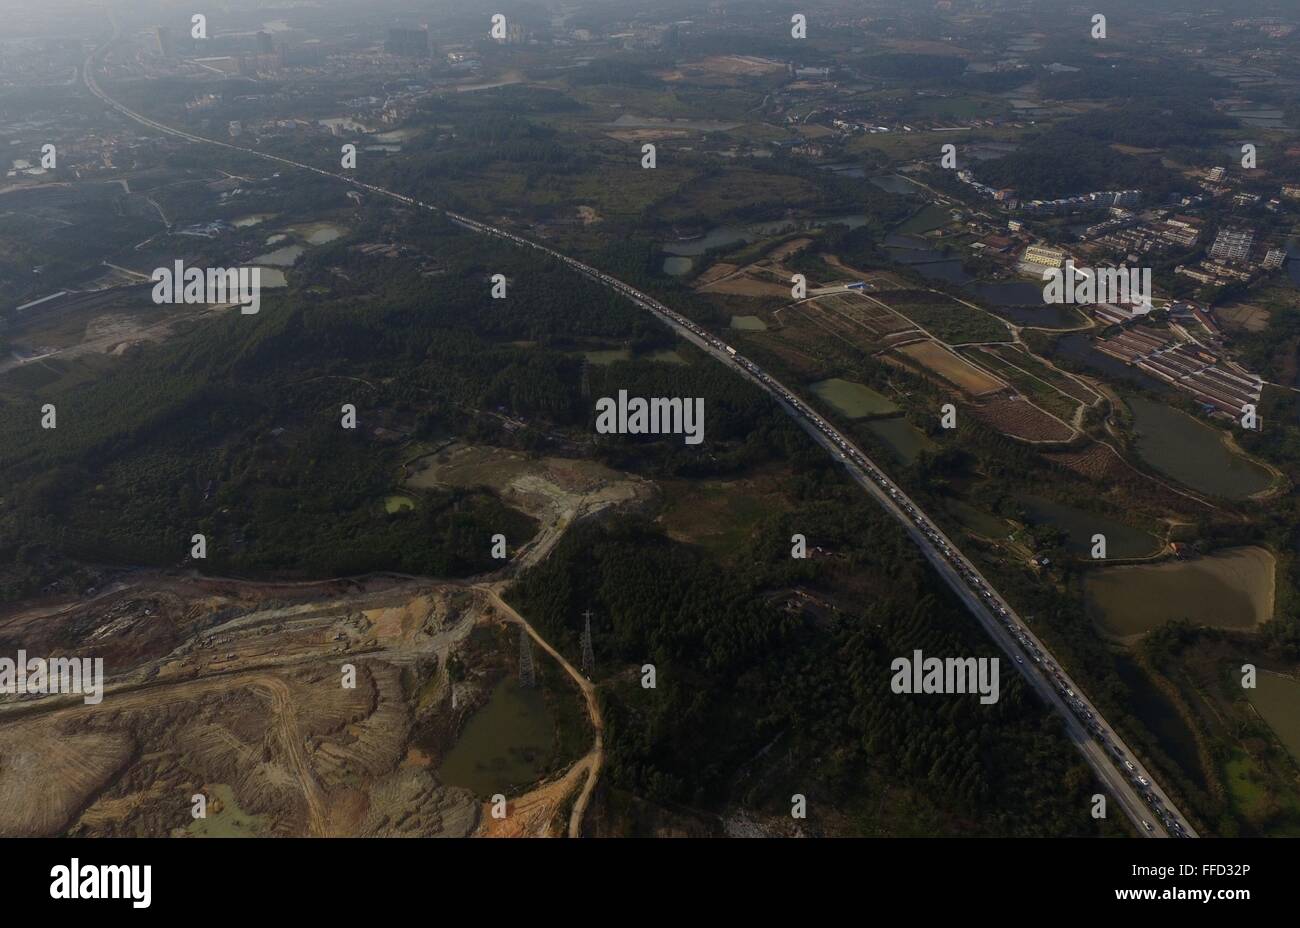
<point x="1137" y="793"/>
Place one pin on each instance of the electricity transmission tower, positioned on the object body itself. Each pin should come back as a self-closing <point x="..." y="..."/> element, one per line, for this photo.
<point x="527" y="674"/>
<point x="588" y="655"/>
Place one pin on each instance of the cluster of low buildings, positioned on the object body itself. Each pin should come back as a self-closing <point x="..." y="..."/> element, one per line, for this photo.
<point x="1220" y="385"/>
<point x="261" y="54"/>
<point x="1216" y="184"/>
<point x="1270" y="26"/>
<point x="852" y="117"/>
<point x="30" y="63"/>
<point x="1134" y="236"/>
<point x="1038" y="259"/>
<point x="1087" y="202"/>
<point x="1100" y="199"/>
<point x="1235" y="256"/>
<point x="1236" y="252"/>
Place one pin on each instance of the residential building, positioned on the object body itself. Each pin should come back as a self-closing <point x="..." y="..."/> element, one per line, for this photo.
<point x="1233" y="244"/>
<point x="1041" y="257"/>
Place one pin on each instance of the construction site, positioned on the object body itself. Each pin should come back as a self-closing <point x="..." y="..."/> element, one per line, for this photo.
<point x="344" y="707"/>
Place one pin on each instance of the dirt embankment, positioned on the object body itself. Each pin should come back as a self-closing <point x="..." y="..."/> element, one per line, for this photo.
<point x="301" y="709"/>
<point x="292" y="707"/>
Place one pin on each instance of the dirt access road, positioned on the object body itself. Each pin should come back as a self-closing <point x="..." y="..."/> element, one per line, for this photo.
<point x="595" y="758"/>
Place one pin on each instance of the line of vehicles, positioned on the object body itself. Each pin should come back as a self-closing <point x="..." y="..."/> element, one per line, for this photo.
<point x="849" y="454"/>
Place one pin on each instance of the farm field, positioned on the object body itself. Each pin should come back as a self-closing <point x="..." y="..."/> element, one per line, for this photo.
<point x="1020" y="419"/>
<point x="855" y="318"/>
<point x="1243" y="317"/>
<point x="1094" y="462"/>
<point x="974" y="520"/>
<point x="754" y="280"/>
<point x="1041" y="393"/>
<point x="950" y="368"/>
<point x="926" y="219"/>
<point x="1039" y="369"/>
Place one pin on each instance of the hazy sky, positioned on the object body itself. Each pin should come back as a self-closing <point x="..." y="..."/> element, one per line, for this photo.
<point x="85" y="18"/>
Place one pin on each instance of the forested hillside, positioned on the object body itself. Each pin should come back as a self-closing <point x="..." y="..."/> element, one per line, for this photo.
<point x="233" y="429"/>
<point x="795" y="704"/>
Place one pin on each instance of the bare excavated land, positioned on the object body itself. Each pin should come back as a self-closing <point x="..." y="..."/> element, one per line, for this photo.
<point x="234" y="689"/>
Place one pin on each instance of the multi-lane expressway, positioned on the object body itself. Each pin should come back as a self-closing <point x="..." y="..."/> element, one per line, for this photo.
<point x="1134" y="789"/>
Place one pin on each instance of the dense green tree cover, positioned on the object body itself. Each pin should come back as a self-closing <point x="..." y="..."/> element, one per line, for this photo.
<point x="701" y="44"/>
<point x="1075" y="156"/>
<point x="638" y="72"/>
<point x="1273" y="351"/>
<point x="501" y="139"/>
<point x="1132" y="78"/>
<point x="1153" y="124"/>
<point x="914" y="67"/>
<point x="789" y="187"/>
<point x="232" y="429"/>
<point x="996" y="81"/>
<point x="437" y="170"/>
<point x="736" y="674"/>
<point x="741" y="428"/>
<point x="1063" y="162"/>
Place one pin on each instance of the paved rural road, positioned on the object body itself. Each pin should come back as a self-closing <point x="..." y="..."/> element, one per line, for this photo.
<point x="1114" y="762"/>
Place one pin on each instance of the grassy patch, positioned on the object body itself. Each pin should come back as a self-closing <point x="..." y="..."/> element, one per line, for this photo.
<point x="720" y="515"/>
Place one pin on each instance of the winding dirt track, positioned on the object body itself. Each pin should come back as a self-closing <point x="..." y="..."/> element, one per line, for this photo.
<point x="595" y="759"/>
<point x="286" y="715"/>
